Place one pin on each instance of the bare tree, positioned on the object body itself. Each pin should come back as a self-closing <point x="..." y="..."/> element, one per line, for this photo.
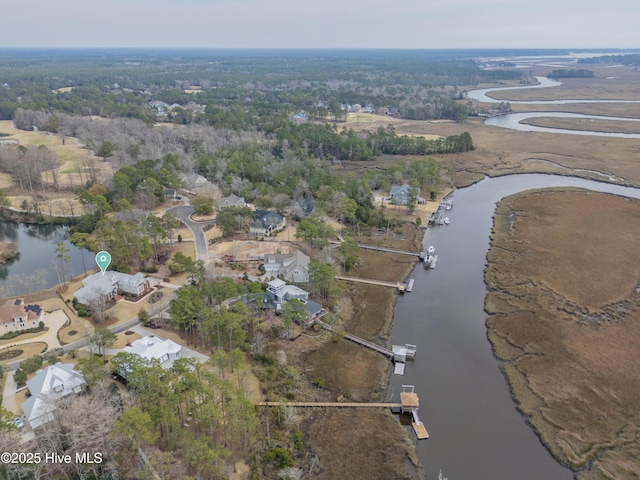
<point x="99" y="304"/>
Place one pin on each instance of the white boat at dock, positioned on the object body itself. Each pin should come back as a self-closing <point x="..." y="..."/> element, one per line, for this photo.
<point x="430" y="261"/>
<point x="446" y="220"/>
<point x="431" y="250"/>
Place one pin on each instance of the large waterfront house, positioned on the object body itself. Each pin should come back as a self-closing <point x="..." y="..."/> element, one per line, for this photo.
<point x="401" y="194"/>
<point x="292" y="267"/>
<point x="279" y="293"/>
<point x="110" y="284"/>
<point x="16" y="315"/>
<point x="50" y="388"/>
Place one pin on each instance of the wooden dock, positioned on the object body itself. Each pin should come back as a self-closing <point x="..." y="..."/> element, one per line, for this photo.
<point x="381" y="249"/>
<point x="397" y="285"/>
<point x="330" y="404"/>
<point x="409" y="286"/>
<point x="360" y="341"/>
<point x="409" y="403"/>
<point x="418" y="426"/>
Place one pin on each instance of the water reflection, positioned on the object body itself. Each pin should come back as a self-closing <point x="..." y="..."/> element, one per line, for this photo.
<point x="32" y="270"/>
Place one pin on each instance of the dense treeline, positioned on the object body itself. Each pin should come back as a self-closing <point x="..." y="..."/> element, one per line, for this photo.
<point x="240" y="88"/>
<point x="571" y="73"/>
<point x="628" y="59"/>
<point x="323" y="141"/>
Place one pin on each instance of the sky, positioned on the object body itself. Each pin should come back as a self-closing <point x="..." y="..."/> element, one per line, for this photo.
<point x="320" y="23"/>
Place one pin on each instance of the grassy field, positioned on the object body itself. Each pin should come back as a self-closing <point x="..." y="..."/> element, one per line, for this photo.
<point x="565" y="321"/>
<point x="72" y="155"/>
<point x="371" y="122"/>
<point x="582" y="124"/>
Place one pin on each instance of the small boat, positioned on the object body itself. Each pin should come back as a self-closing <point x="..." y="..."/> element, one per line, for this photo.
<point x="431" y="250"/>
<point x="446" y="220"/>
<point x="430" y="261"/>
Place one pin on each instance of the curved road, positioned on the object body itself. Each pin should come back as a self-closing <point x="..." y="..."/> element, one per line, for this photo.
<point x="183" y="213"/>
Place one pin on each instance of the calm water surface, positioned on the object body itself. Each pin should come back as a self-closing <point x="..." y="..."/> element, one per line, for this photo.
<point x="476" y="431"/>
<point x="33" y="271"/>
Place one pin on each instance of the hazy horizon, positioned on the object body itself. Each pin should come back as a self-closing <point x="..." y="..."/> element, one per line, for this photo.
<point x="331" y="24"/>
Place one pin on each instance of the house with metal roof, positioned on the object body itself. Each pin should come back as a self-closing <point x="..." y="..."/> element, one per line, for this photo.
<point x="50" y="388"/>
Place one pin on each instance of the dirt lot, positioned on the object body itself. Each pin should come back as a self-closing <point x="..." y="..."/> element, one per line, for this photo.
<point x="565" y="321"/>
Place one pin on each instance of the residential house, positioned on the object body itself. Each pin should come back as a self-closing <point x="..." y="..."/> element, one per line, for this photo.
<point x="155" y="348"/>
<point x="231" y="201"/>
<point x="135" y="285"/>
<point x="51" y="387"/>
<point x="279" y="293"/>
<point x="194" y="183"/>
<point x="402" y="193"/>
<point x="110" y="284"/>
<point x="97" y="286"/>
<point x="302" y="207"/>
<point x="293" y="267"/>
<point x="16" y="315"/>
<point x="266" y="222"/>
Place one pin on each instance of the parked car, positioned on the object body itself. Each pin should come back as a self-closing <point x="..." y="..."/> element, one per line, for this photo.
<point x="18" y="422"/>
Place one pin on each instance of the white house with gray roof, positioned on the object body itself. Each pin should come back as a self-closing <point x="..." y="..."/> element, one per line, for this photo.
<point x="51" y="387"/>
<point x="150" y="348"/>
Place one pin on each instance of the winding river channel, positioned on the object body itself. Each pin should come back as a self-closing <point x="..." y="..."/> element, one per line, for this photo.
<point x="512" y="120"/>
<point x="476" y="431"/>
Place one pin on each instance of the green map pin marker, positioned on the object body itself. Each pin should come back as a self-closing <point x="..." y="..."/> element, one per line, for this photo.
<point x="103" y="259"/>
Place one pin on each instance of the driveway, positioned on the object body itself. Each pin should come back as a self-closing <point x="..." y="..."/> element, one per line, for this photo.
<point x="9" y="394"/>
<point x="183" y="213"/>
<point x="54" y="321"/>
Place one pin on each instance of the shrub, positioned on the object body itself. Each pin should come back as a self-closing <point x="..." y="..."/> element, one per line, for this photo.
<point x="279" y="457"/>
<point x="20" y="376"/>
<point x="296" y="438"/>
<point x="318" y="382"/>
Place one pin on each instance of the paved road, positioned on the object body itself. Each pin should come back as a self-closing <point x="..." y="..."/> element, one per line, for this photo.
<point x="183" y="213"/>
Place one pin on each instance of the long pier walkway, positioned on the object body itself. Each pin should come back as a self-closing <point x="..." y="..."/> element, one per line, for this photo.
<point x="390" y="250"/>
<point x="383" y="249"/>
<point x="400" y="286"/>
<point x="361" y="341"/>
<point x="330" y="404"/>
